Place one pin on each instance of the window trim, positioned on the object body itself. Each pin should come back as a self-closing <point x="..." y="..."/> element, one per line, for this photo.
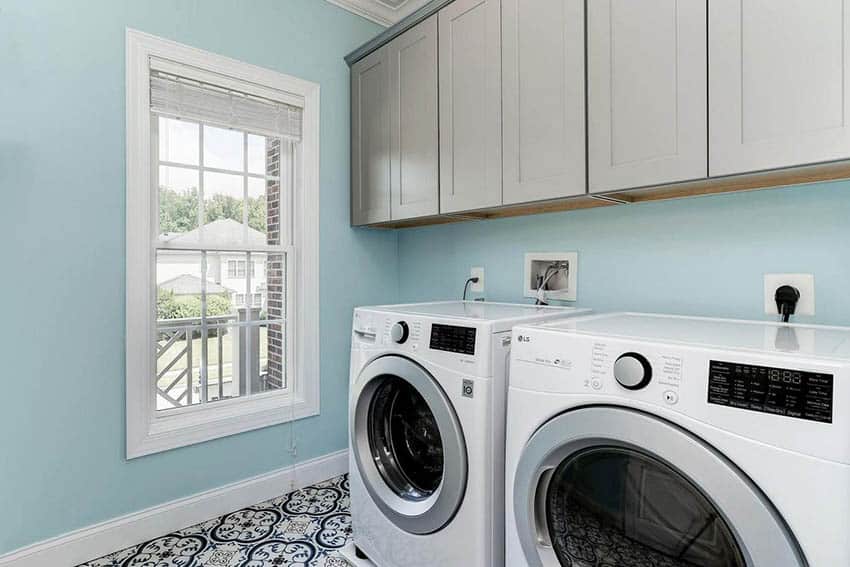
<point x="148" y="432"/>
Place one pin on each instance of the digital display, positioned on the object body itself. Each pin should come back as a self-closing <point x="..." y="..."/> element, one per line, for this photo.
<point x="453" y="339"/>
<point x="780" y="391"/>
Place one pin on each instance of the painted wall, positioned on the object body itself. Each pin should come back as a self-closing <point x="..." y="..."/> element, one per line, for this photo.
<point x="704" y="256"/>
<point x="62" y="437"/>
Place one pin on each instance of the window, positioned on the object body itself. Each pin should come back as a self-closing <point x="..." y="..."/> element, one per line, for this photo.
<point x="236" y="268"/>
<point x="222" y="232"/>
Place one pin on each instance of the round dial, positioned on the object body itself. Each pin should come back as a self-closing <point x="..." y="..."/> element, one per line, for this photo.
<point x="399" y="332"/>
<point x="632" y="371"/>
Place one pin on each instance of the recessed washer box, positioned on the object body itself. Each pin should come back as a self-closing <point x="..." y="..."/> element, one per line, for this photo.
<point x="562" y="285"/>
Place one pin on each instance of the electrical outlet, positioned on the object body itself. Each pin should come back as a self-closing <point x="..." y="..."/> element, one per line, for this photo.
<point x="561" y="285"/>
<point x="805" y="283"/>
<point x="477" y="273"/>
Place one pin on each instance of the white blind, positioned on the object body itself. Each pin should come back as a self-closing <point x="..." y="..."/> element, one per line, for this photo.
<point x="181" y="97"/>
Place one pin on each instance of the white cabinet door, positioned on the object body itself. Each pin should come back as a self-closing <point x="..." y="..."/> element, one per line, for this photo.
<point x="470" y="106"/>
<point x="647" y="107"/>
<point x="370" y="139"/>
<point x="543" y="99"/>
<point x="414" y="150"/>
<point x="778" y="83"/>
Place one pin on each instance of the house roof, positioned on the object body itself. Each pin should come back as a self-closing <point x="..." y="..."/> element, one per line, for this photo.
<point x="187" y="284"/>
<point x="222" y="232"/>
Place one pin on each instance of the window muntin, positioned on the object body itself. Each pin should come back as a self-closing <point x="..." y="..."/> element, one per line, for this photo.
<point x="218" y="195"/>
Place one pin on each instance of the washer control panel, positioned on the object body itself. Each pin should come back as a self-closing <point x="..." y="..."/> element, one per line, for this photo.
<point x="452" y="338"/>
<point x="767" y="389"/>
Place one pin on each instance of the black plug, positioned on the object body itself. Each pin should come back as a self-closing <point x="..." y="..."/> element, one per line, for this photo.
<point x="473" y="279"/>
<point x="786" y="301"/>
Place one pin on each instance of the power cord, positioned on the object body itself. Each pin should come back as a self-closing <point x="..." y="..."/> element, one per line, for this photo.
<point x="466" y="285"/>
<point x="786" y="297"/>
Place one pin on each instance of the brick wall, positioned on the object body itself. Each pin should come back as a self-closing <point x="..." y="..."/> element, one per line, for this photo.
<point x="275" y="275"/>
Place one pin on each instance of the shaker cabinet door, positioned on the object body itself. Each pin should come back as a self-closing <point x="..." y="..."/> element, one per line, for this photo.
<point x="778" y="83"/>
<point x="470" y="105"/>
<point x="370" y="139"/>
<point x="414" y="138"/>
<point x="647" y="93"/>
<point x="543" y="99"/>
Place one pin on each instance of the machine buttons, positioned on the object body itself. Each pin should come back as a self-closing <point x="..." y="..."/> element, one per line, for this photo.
<point x="671" y="397"/>
<point x="596" y="384"/>
<point x="632" y="371"/>
<point x="399" y="332"/>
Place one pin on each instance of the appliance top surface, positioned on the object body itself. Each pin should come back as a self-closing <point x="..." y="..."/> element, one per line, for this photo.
<point x="482" y="311"/>
<point x="762" y="336"/>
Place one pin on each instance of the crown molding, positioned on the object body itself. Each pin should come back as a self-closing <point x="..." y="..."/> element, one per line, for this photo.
<point x="380" y="12"/>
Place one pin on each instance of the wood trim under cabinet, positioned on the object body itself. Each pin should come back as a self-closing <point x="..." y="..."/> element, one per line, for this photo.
<point x="773" y="179"/>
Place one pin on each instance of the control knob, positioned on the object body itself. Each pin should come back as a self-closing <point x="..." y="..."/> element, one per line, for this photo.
<point x="399" y="332"/>
<point x="632" y="371"/>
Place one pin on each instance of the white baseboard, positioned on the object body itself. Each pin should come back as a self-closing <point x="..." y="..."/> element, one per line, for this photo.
<point x="95" y="541"/>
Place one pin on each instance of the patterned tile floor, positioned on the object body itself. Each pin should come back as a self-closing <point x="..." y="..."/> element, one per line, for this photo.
<point x="302" y="529"/>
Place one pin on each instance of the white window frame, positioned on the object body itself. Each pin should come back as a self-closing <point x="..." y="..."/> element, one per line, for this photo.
<point x="149" y="431"/>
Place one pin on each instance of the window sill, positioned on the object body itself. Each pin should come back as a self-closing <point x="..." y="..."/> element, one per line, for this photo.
<point x="221" y="419"/>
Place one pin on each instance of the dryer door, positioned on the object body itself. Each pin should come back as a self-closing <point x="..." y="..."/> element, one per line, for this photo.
<point x="613" y="486"/>
<point x="408" y="444"/>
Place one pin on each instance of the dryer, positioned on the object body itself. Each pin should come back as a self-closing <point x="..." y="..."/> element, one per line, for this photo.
<point x="640" y="439"/>
<point x="427" y="419"/>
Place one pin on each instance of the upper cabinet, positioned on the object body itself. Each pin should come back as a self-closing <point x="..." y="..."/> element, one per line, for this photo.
<point x="394" y="130"/>
<point x="470" y="105"/>
<point x="370" y="139"/>
<point x="414" y="153"/>
<point x="779" y="83"/>
<point x="543" y="110"/>
<point x="647" y="104"/>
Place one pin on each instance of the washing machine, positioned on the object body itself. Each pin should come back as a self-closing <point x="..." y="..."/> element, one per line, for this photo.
<point x="665" y="441"/>
<point x="427" y="419"/>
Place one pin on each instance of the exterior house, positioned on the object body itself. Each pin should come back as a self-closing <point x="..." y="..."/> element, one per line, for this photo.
<point x="243" y="280"/>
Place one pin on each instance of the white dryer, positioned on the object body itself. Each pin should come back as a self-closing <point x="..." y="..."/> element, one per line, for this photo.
<point x="427" y="419"/>
<point x="671" y="441"/>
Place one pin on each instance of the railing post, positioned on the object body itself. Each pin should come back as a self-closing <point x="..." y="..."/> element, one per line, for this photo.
<point x="249" y="363"/>
<point x="189" y="337"/>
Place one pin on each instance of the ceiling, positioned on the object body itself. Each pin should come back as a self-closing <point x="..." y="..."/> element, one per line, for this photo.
<point x="384" y="12"/>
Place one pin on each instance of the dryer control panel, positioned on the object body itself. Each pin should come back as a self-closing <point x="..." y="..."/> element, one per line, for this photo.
<point x="768" y="389"/>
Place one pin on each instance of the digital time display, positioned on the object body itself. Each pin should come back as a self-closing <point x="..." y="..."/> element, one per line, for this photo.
<point x="453" y="339"/>
<point x="766" y="389"/>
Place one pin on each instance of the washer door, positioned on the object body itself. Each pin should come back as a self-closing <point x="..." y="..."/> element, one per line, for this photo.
<point x="603" y="486"/>
<point x="408" y="445"/>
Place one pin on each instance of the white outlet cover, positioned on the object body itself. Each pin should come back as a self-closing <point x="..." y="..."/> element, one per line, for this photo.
<point x="803" y="282"/>
<point x="477" y="273"/>
<point x="572" y="277"/>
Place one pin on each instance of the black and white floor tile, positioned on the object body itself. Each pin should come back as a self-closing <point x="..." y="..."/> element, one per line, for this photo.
<point x="305" y="528"/>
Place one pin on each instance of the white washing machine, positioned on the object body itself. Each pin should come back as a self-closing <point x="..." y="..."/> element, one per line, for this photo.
<point x="670" y="441"/>
<point x="427" y="419"/>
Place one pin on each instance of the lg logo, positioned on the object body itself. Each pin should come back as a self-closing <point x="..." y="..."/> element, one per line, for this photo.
<point x="523" y="339"/>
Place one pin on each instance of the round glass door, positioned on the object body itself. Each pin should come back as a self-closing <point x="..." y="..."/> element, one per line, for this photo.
<point x="408" y="444"/>
<point x="405" y="439"/>
<point x="605" y="486"/>
<point x="615" y="506"/>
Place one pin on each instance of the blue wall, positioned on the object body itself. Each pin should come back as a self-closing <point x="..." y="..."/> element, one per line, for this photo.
<point x="62" y="437"/>
<point x="702" y="255"/>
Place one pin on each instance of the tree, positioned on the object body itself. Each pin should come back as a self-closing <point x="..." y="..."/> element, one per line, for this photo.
<point x="178" y="210"/>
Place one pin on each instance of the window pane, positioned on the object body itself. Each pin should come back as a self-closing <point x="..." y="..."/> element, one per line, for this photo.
<point x="178" y="141"/>
<point x="224" y="149"/>
<point x="223" y="380"/>
<point x="223" y="206"/>
<point x="257" y="154"/>
<point x="178" y="201"/>
<point x="178" y="328"/>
